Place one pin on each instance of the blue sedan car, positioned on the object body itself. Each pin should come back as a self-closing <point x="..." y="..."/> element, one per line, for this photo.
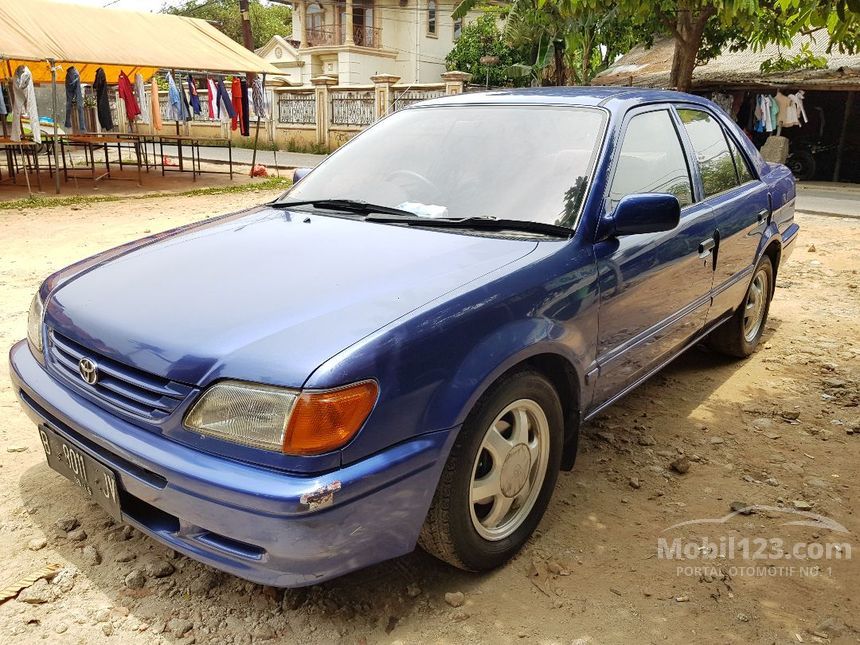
<point x="402" y="348"/>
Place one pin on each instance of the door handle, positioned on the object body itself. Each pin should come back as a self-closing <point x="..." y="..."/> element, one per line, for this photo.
<point x="706" y="247"/>
<point x="761" y="215"/>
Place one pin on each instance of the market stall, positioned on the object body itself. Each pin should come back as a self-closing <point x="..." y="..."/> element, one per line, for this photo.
<point x="68" y="46"/>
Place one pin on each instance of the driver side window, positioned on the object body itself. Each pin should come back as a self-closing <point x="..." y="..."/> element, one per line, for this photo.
<point x="651" y="160"/>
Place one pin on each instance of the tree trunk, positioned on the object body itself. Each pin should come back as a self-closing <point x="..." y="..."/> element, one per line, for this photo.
<point x="688" y="30"/>
<point x="558" y="56"/>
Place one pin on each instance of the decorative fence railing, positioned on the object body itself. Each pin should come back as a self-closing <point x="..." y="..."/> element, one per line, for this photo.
<point x="297" y="108"/>
<point x="408" y="97"/>
<point x="351" y="107"/>
<point x="362" y="35"/>
<point x="164" y="106"/>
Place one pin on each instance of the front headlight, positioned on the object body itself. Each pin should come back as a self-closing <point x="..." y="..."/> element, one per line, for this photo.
<point x="34" y="323"/>
<point x="274" y="418"/>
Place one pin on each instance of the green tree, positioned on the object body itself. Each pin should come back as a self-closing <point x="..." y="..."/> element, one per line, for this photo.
<point x="479" y="39"/>
<point x="267" y="20"/>
<point x="703" y="28"/>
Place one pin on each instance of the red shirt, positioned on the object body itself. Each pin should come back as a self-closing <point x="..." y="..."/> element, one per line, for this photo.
<point x="236" y="92"/>
<point x="126" y="93"/>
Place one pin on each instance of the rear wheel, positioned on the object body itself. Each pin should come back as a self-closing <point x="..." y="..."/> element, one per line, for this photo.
<point x="499" y="477"/>
<point x="740" y="335"/>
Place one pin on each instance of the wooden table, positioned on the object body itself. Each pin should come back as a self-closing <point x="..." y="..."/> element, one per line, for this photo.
<point x="93" y="142"/>
<point x="29" y="150"/>
<point x="195" y="143"/>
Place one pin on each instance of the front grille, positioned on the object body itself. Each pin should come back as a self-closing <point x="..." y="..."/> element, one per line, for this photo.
<point x="128" y="389"/>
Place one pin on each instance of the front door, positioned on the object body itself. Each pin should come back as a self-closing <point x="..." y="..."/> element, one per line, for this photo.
<point x="654" y="287"/>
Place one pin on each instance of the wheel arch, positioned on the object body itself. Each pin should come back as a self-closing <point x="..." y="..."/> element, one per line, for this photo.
<point x="562" y="373"/>
<point x="773" y="250"/>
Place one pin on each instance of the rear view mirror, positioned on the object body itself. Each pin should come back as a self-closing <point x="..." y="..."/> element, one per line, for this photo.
<point x="299" y="173"/>
<point x="644" y="213"/>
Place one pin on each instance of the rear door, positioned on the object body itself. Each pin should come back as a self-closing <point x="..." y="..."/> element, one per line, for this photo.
<point x="739" y="201"/>
<point x="655" y="288"/>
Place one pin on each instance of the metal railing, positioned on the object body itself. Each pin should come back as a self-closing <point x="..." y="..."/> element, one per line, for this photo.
<point x="297" y="108"/>
<point x="405" y="98"/>
<point x="352" y="108"/>
<point x="362" y="35"/>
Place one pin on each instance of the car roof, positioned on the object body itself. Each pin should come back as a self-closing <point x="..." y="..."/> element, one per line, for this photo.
<point x="590" y="96"/>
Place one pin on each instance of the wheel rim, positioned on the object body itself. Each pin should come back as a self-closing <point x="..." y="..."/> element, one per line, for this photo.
<point x="509" y="471"/>
<point x="755" y="305"/>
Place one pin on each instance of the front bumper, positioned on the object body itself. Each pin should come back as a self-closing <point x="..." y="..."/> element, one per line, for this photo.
<point x="263" y="525"/>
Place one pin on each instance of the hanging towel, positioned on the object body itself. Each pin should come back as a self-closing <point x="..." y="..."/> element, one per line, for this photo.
<point x="102" y="103"/>
<point x="140" y="92"/>
<point x="175" y="107"/>
<point x="24" y="102"/>
<point x="211" y="97"/>
<point x="224" y="102"/>
<point x="246" y="120"/>
<point x="126" y="93"/>
<point x="192" y="93"/>
<point x="74" y="99"/>
<point x="774" y="112"/>
<point x="259" y="97"/>
<point x="237" y="102"/>
<point x="155" y="104"/>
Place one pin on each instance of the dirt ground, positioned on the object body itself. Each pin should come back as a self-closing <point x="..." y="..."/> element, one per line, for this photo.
<point x="780" y="430"/>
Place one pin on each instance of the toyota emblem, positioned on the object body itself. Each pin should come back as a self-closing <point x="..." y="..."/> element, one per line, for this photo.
<point x="88" y="370"/>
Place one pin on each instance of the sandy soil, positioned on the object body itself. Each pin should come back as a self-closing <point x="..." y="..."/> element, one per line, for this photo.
<point x="781" y="429"/>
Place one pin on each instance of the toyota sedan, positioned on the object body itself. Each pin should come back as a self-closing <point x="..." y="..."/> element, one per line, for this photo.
<point x="402" y="348"/>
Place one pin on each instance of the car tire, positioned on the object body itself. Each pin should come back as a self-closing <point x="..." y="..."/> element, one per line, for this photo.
<point x="740" y="335"/>
<point x="500" y="475"/>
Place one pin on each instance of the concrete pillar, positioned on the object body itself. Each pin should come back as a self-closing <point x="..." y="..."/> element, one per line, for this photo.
<point x="301" y="9"/>
<point x="384" y="93"/>
<point x="349" y="36"/>
<point x="321" y="93"/>
<point x="455" y="82"/>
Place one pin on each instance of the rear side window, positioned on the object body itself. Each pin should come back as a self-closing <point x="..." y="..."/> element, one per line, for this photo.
<point x="716" y="166"/>
<point x="744" y="174"/>
<point x="651" y="160"/>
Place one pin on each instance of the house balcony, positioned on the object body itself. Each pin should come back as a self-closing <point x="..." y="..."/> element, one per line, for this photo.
<point x="335" y="35"/>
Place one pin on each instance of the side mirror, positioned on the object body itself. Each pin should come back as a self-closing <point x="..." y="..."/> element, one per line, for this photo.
<point x="299" y="173"/>
<point x="643" y="213"/>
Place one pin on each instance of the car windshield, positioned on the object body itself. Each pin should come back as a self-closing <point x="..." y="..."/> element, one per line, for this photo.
<point x="524" y="163"/>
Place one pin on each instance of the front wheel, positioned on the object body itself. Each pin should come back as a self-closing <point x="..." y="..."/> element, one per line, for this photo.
<point x="740" y="335"/>
<point x="499" y="477"/>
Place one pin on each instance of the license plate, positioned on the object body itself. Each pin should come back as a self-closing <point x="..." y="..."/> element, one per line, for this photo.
<point x="98" y="481"/>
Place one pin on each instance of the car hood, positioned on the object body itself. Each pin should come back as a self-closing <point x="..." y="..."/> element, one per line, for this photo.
<point x="267" y="295"/>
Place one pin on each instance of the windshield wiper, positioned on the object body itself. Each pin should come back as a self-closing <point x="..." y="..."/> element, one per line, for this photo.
<point x="481" y="223"/>
<point x="347" y="205"/>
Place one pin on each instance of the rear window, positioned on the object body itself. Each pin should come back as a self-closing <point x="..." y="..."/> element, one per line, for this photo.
<point x="716" y="165"/>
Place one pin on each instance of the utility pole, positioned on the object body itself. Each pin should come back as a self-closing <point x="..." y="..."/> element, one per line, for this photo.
<point x="247" y="37"/>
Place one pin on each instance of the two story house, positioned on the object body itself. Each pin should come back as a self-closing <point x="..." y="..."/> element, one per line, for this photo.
<point x="354" y="39"/>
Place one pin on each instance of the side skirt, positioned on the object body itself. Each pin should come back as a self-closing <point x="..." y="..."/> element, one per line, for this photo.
<point x="695" y="339"/>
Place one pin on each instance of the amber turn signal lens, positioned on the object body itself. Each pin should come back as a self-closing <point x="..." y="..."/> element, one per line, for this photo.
<point x="324" y="421"/>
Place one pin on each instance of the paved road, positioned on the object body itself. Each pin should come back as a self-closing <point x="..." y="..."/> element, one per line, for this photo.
<point x="265" y="157"/>
<point x="829" y="199"/>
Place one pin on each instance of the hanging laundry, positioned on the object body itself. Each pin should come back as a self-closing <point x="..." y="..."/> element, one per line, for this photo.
<point x="126" y="93"/>
<point x="143" y="103"/>
<point x="24" y="102"/>
<point x="259" y="97"/>
<point x="102" y="103"/>
<point x="795" y="110"/>
<point x="155" y="105"/>
<point x="774" y="112"/>
<point x="175" y="104"/>
<point x="211" y="97"/>
<point x="224" y="102"/>
<point x="186" y="108"/>
<point x="74" y="100"/>
<point x="3" y="110"/>
<point x="246" y="119"/>
<point x="723" y="100"/>
<point x="192" y="94"/>
<point x="236" y="92"/>
<point x="782" y="103"/>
